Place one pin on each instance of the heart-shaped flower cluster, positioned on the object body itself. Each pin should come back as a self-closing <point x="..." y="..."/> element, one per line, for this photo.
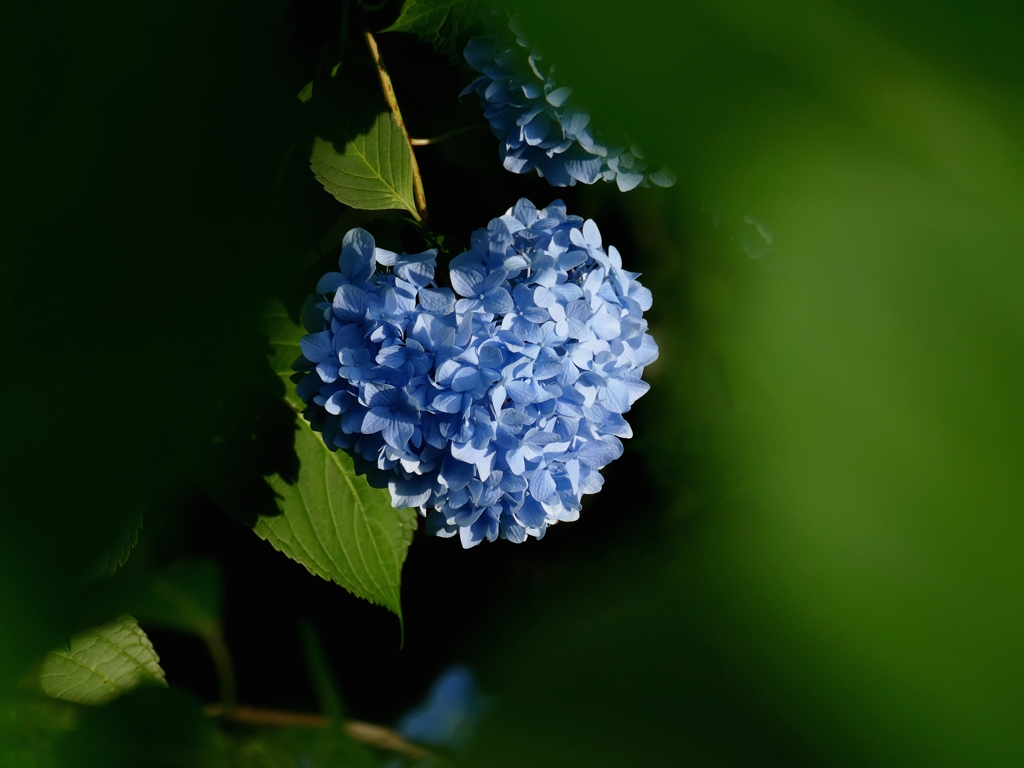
<point x="491" y="408"/>
<point x="539" y="125"/>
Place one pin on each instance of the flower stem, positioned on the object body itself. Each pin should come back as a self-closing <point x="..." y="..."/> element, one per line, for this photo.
<point x="218" y="648"/>
<point x="389" y="96"/>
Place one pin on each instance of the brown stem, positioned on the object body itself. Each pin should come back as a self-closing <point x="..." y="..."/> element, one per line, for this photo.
<point x="366" y="733"/>
<point x="389" y="96"/>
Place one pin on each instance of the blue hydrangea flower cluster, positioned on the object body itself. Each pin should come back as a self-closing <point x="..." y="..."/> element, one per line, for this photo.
<point x="539" y="126"/>
<point x="491" y="408"/>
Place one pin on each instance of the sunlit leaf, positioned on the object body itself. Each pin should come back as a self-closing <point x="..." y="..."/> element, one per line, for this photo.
<point x="370" y="170"/>
<point x="102" y="663"/>
<point x="332" y="521"/>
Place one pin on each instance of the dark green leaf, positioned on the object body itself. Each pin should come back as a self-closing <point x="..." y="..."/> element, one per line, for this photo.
<point x="116" y="554"/>
<point x="100" y="664"/>
<point x="186" y="597"/>
<point x="151" y="727"/>
<point x="441" y="23"/>
<point x="306" y="748"/>
<point x="283" y="336"/>
<point x="320" y="673"/>
<point x="331" y="520"/>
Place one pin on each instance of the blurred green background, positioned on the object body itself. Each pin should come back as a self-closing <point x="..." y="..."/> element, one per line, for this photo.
<point x="839" y="419"/>
<point x="811" y="553"/>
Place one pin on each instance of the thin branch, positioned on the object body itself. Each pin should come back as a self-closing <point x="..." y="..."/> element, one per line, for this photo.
<point x="442" y="137"/>
<point x="389" y="96"/>
<point x="365" y="733"/>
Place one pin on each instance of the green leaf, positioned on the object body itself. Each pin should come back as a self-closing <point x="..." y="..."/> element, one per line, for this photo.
<point x="116" y="554"/>
<point x="283" y="336"/>
<point x="332" y="521"/>
<point x="441" y="23"/>
<point x="299" y="747"/>
<point x="320" y="673"/>
<point x="151" y="727"/>
<point x="370" y="170"/>
<point x="100" y="664"/>
<point x="186" y="597"/>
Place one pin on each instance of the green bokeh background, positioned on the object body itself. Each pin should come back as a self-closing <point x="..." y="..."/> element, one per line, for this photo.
<point x="840" y="419"/>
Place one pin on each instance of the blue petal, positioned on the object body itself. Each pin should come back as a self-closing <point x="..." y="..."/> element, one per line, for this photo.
<point x="409" y="493"/>
<point x="350" y="303"/>
<point x="438" y="301"/>
<point x="628" y="181"/>
<point x="600" y="453"/>
<point x="542" y="486"/>
<point x="537" y="130"/>
<point x="357" y="257"/>
<point x="316" y="346"/>
<point x="559" y="96"/>
<point x="467" y="281"/>
<point x="397" y="434"/>
<point x="531" y="514"/>
<point x="329" y="283"/>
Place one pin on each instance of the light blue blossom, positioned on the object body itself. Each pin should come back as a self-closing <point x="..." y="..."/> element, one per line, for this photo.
<point x="493" y="413"/>
<point x="539" y="126"/>
<point x="446" y="719"/>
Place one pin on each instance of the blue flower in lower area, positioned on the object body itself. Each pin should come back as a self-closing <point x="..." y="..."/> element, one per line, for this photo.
<point x="445" y="721"/>
<point x="451" y="710"/>
<point x="494" y="413"/>
<point x="539" y="126"/>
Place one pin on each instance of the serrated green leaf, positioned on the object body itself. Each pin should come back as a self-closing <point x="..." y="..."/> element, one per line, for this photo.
<point x="283" y="336"/>
<point x="370" y="170"/>
<point x="100" y="664"/>
<point x="339" y="527"/>
<point x="441" y="23"/>
<point x="332" y="521"/>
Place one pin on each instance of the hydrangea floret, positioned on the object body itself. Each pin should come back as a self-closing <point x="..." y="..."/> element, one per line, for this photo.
<point x="493" y="405"/>
<point x="539" y="125"/>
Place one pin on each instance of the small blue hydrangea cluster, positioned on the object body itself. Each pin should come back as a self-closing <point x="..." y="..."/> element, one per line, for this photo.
<point x="539" y="127"/>
<point x="447" y="718"/>
<point x="491" y="408"/>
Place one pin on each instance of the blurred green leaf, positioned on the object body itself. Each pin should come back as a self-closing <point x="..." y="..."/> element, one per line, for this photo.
<point x="185" y="597"/>
<point x="331" y="520"/>
<point x="30" y="728"/>
<point x="306" y="748"/>
<point x="151" y="727"/>
<point x="320" y="673"/>
<point x="101" y="664"/>
<point x="838" y="421"/>
<point x="440" y="23"/>
<point x="370" y="170"/>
